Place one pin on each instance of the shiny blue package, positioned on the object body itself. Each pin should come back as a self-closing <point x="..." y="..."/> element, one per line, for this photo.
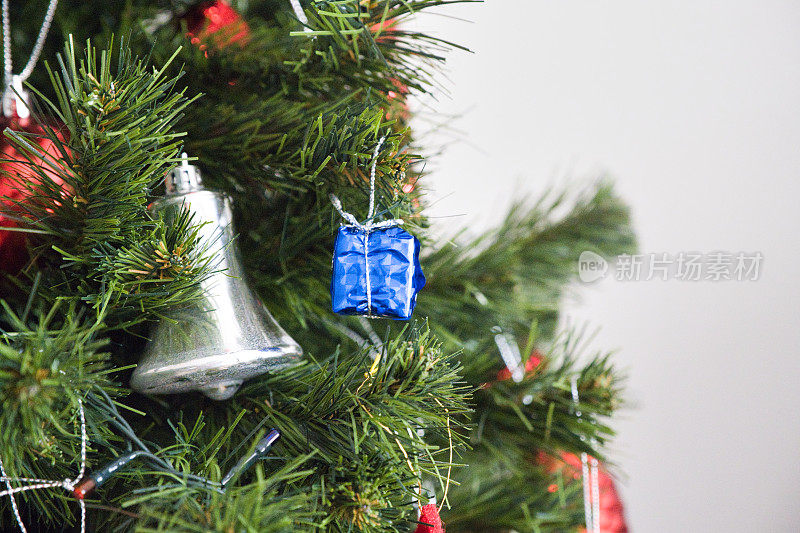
<point x="387" y="261"/>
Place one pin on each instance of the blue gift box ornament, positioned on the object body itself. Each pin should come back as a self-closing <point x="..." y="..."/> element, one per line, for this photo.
<point x="376" y="269"/>
<point x="376" y="273"/>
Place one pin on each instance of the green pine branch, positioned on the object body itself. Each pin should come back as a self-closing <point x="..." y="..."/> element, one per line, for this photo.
<point x="375" y="428"/>
<point x="87" y="185"/>
<point x="521" y="429"/>
<point x="517" y="274"/>
<point x="45" y="364"/>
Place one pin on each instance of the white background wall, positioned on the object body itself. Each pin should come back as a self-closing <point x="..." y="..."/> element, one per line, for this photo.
<point x="694" y="108"/>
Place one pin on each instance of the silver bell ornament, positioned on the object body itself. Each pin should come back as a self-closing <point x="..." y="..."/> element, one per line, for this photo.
<point x="229" y="336"/>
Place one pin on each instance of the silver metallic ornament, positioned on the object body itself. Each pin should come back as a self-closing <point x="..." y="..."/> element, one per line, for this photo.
<point x="229" y="336"/>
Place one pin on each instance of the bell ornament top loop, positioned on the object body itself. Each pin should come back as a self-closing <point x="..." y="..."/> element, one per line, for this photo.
<point x="184" y="178"/>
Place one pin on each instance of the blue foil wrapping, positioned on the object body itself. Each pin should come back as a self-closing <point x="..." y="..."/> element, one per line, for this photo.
<point x="395" y="275"/>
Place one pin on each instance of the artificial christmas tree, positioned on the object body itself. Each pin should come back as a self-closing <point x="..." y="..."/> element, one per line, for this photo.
<point x="378" y="415"/>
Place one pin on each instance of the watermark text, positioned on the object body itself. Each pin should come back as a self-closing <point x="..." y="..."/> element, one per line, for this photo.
<point x="681" y="266"/>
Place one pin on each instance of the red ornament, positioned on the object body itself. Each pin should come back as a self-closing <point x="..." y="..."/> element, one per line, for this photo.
<point x="384" y="31"/>
<point x="398" y="106"/>
<point x="12" y="243"/>
<point x="612" y="512"/>
<point x="215" y="22"/>
<point x="530" y="365"/>
<point x="429" y="520"/>
<point x="13" y="173"/>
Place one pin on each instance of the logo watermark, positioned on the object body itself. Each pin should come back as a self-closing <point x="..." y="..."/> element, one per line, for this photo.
<point x="682" y="266"/>
<point x="591" y="266"/>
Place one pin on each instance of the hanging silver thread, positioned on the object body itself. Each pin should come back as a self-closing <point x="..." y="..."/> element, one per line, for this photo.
<point x="300" y="14"/>
<point x="509" y="351"/>
<point x="590" y="477"/>
<point x="7" y="68"/>
<point x="594" y="471"/>
<point x="368" y="224"/>
<point x="375" y="154"/>
<point x="35" y="484"/>
<point x="13" y="84"/>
